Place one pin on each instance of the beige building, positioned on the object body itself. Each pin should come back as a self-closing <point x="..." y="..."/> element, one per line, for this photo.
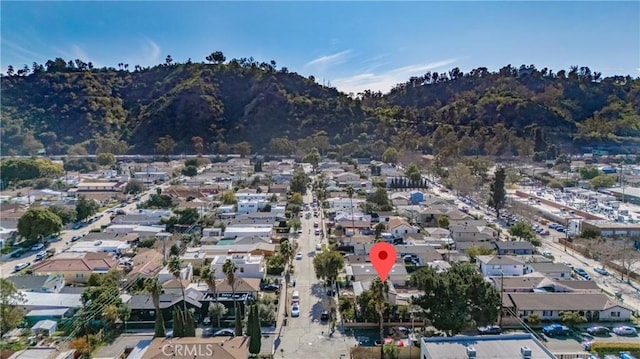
<point x="76" y="267"/>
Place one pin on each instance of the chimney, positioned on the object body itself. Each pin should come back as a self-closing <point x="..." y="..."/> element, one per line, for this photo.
<point x="471" y="353"/>
<point x="526" y="352"/>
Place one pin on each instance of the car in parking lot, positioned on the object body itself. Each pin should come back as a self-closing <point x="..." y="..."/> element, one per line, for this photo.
<point x="318" y="247"/>
<point x="556" y="330"/>
<point x="324" y="316"/>
<point x="41" y="255"/>
<point x="598" y="330"/>
<point x="489" y="329"/>
<point x="295" y="310"/>
<point x="601" y="270"/>
<point x="38" y="247"/>
<point x="75" y="238"/>
<point x="625" y="330"/>
<point x="299" y="256"/>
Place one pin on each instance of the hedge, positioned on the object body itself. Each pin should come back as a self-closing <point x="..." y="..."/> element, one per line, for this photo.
<point x="603" y="348"/>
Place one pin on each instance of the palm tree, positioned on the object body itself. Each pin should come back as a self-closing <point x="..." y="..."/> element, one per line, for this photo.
<point x="110" y="315"/>
<point x="350" y="194"/>
<point x="153" y="287"/>
<point x="229" y="269"/>
<point x="175" y="266"/>
<point x="208" y="274"/>
<point x="380" y="292"/>
<point x="217" y="311"/>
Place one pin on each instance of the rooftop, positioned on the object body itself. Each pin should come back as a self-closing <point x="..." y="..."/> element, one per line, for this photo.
<point x="505" y="346"/>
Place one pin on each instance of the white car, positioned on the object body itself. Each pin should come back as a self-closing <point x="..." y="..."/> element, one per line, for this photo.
<point x="37" y="247"/>
<point x="295" y="310"/>
<point x="318" y="247"/>
<point x="299" y="256"/>
<point x="625" y="330"/>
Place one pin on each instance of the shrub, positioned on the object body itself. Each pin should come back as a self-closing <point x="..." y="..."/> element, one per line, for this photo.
<point x="603" y="348"/>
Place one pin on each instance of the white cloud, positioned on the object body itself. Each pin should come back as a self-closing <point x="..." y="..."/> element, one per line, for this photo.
<point x="384" y="81"/>
<point x="21" y="51"/>
<point x="329" y="59"/>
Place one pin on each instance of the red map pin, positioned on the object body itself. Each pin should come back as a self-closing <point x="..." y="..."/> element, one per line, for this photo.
<point x="383" y="257"/>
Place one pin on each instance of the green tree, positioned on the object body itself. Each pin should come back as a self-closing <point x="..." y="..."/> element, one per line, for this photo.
<point x="378" y="229"/>
<point x="154" y="288"/>
<point x="229" y="197"/>
<point x="110" y="315"/>
<point x="229" y="269"/>
<point x="523" y="231"/>
<point x="497" y="193"/>
<point x="66" y="214"/>
<point x="475" y="251"/>
<point x="85" y="208"/>
<point x="243" y="148"/>
<point x="572" y="318"/>
<point x="254" y="330"/>
<point x="454" y="297"/>
<point x="208" y="275"/>
<point x="106" y="159"/>
<point x="589" y="172"/>
<point x="327" y="265"/>
<point x="134" y="186"/>
<point x="217" y="311"/>
<point x="381" y="198"/>
<point x="390" y="351"/>
<point x="390" y="155"/>
<point x="413" y="173"/>
<point x="380" y="291"/>
<point x="296" y="224"/>
<point x="165" y="145"/>
<point x="38" y="222"/>
<point x="174" y="264"/>
<point x="11" y="314"/>
<point x="297" y="199"/>
<point x="603" y="181"/>
<point x="299" y="182"/>
<point x="443" y="222"/>
<point x="313" y="157"/>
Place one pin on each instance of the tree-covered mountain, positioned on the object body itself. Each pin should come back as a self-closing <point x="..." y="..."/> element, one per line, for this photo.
<point x="244" y="105"/>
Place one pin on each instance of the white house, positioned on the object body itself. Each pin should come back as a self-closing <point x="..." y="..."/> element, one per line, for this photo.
<point x="343" y="203"/>
<point x="398" y="227"/>
<point x="249" y="266"/>
<point x="495" y="266"/>
<point x="364" y="272"/>
<point x="245" y="207"/>
<point x="108" y="246"/>
<point x="548" y="306"/>
<point x="246" y="196"/>
<point x="248" y="231"/>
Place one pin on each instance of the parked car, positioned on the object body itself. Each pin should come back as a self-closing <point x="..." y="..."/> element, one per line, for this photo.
<point x="226" y="332"/>
<point x="601" y="270"/>
<point x="547" y="254"/>
<point x="41" y="255"/>
<point x="21" y="266"/>
<point x="270" y="287"/>
<point x="295" y="310"/>
<point x="75" y="238"/>
<point x="318" y="247"/>
<point x="38" y="247"/>
<point x="556" y="330"/>
<point x="299" y="256"/>
<point x="490" y="329"/>
<point x="19" y="252"/>
<point x="598" y="330"/>
<point x="324" y="316"/>
<point x="206" y="321"/>
<point x="625" y="330"/>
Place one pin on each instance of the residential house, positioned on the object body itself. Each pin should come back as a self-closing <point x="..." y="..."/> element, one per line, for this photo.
<point x="146" y="263"/>
<point x="249" y="266"/>
<point x="175" y="286"/>
<point x="249" y="231"/>
<point x="416" y="197"/>
<point x="214" y="348"/>
<point x="550" y="270"/>
<point x="548" y="306"/>
<point x="399" y="227"/>
<point x="55" y="314"/>
<point x="438" y="232"/>
<point x="38" y="283"/>
<point x="538" y="283"/>
<point x="143" y="310"/>
<point x="99" y="186"/>
<point x="400" y="199"/>
<point x="343" y="203"/>
<point x="492" y="266"/>
<point x="76" y="267"/>
<point x="137" y="219"/>
<point x="99" y="246"/>
<point x="348" y="179"/>
<point x="37" y="301"/>
<point x="365" y="272"/>
<point x="472" y="233"/>
<point x="514" y="248"/>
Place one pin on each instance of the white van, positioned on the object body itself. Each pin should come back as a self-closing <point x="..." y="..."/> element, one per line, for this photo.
<point x="295" y="297"/>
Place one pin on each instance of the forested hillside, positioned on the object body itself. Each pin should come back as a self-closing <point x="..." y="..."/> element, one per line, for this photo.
<point x="248" y="106"/>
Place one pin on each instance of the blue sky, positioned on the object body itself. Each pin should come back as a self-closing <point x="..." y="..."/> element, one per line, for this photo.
<point x="351" y="45"/>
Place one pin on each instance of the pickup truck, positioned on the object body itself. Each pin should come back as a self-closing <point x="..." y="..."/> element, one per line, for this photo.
<point x="556" y="330"/>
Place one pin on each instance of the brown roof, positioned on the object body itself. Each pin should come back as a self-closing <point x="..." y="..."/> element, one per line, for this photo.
<point x="183" y="192"/>
<point x="174" y="283"/>
<point x="242" y="285"/>
<point x="147" y="263"/>
<point x="88" y="262"/>
<point x="188" y="348"/>
<point x="101" y="196"/>
<point x="396" y="222"/>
